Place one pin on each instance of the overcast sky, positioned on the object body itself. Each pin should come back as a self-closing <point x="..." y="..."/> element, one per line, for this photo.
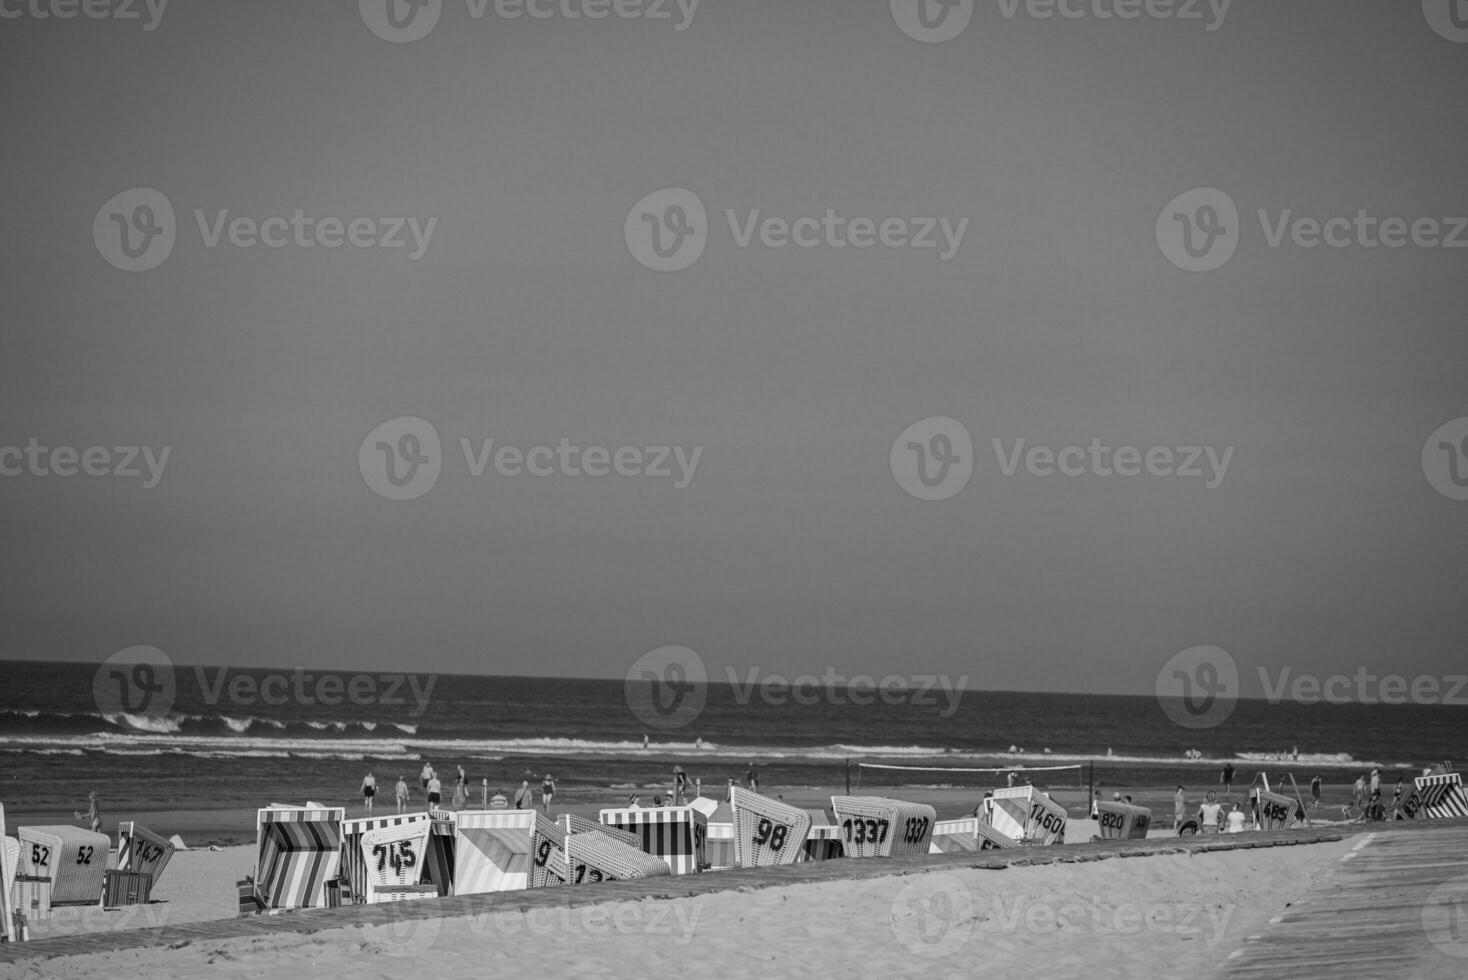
<point x="528" y="319"/>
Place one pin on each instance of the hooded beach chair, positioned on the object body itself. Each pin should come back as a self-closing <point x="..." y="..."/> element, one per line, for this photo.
<point x="1025" y="814"/>
<point x="140" y="850"/>
<point x="384" y="852"/>
<point x="1276" y="812"/>
<point x="438" y="861"/>
<point x="1122" y="821"/>
<point x="507" y="850"/>
<point x="298" y="850"/>
<point x="1436" y="796"/>
<point x="875" y="826"/>
<point x="74" y="859"/>
<point x="965" y="835"/>
<point x="674" y="833"/>
<point x="766" y="831"/>
<point x="594" y="856"/>
<point x="9" y="864"/>
<point x="718" y="846"/>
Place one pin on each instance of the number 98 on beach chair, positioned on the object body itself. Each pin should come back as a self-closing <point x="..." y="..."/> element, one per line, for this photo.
<point x="874" y="826"/>
<point x="766" y="831"/>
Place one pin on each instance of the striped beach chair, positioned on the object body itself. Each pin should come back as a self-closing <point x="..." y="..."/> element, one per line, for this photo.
<point x="573" y="824"/>
<point x="875" y="826"/>
<point x="766" y="831"/>
<point x="9" y="864"/>
<point x="1276" y="812"/>
<point x="594" y="856"/>
<point x="822" y="843"/>
<point x="74" y="859"/>
<point x="438" y="861"/>
<point x="298" y="850"/>
<point x="1122" y="821"/>
<point x="718" y="846"/>
<point x="141" y="850"/>
<point x="384" y="852"/>
<point x="1025" y="814"/>
<point x="1436" y="796"/>
<point x="967" y="834"/>
<point x="507" y="850"/>
<point x="674" y="833"/>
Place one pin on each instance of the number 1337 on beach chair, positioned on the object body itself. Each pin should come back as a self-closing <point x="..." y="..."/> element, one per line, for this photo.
<point x="874" y="826"/>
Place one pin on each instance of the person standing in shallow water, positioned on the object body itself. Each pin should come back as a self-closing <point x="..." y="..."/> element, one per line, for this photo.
<point x="369" y="791"/>
<point x="401" y="792"/>
<point x="547" y="791"/>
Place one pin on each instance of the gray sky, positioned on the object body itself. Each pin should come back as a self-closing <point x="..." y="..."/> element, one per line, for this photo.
<point x="528" y="320"/>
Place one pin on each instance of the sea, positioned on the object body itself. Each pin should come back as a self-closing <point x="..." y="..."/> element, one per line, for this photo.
<point x="247" y="737"/>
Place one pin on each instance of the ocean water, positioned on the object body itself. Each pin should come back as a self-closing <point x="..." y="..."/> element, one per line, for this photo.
<point x="238" y="738"/>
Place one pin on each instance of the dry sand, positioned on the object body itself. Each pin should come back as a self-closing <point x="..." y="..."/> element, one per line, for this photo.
<point x="1163" y="916"/>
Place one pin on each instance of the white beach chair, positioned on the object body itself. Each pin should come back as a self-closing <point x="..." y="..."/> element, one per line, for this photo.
<point x="74" y="859"/>
<point x="507" y="850"/>
<point x="298" y="850"/>
<point x="594" y="856"/>
<point x="141" y="850"/>
<point x="967" y="834"/>
<point x="1122" y="821"/>
<point x="1276" y="812"/>
<point x="383" y="852"/>
<point x="875" y="826"/>
<point x="766" y="831"/>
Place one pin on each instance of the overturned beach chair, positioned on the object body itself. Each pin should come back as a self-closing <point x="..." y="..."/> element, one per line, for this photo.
<point x="438" y="859"/>
<point x="1436" y="796"/>
<point x="507" y="850"/>
<point x="1026" y="815"/>
<point x="822" y="843"/>
<point x="766" y="831"/>
<point x="573" y="824"/>
<point x="674" y="833"/>
<point x="140" y="850"/>
<point x="874" y="826"/>
<point x="594" y="856"/>
<point x="1276" y="812"/>
<point x="384" y="852"/>
<point x="74" y="859"/>
<point x="967" y="834"/>
<point x="298" y="850"/>
<point x="1123" y="821"/>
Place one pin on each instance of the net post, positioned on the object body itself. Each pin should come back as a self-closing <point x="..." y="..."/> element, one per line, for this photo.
<point x="848" y="777"/>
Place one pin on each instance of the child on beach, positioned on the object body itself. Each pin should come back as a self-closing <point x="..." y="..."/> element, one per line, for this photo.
<point x="1235" y="820"/>
<point x="93" y="814"/>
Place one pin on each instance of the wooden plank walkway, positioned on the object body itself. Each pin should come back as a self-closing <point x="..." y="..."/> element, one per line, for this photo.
<point x="1397" y="907"/>
<point x="397" y="913"/>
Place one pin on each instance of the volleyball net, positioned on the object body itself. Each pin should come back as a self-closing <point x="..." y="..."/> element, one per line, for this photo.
<point x="877" y="774"/>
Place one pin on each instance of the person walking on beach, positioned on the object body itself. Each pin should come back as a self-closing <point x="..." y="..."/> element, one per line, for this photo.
<point x="1315" y="793"/>
<point x="401" y="792"/>
<point x="369" y="791"/>
<point x="1208" y="814"/>
<point x="680" y="785"/>
<point x="461" y="791"/>
<point x="547" y="791"/>
<point x="93" y="816"/>
<point x="524" y="796"/>
<point x="435" y="790"/>
<point x="1179" y="808"/>
<point x="1358" y="794"/>
<point x="426" y="774"/>
<point x="1227" y="778"/>
<point x="1375" y="784"/>
<point x="751" y="779"/>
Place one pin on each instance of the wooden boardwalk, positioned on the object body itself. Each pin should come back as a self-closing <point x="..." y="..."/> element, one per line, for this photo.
<point x="1397" y="906"/>
<point x="400" y="915"/>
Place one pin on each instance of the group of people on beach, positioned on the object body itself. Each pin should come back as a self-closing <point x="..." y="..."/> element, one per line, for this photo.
<point x="432" y="788"/>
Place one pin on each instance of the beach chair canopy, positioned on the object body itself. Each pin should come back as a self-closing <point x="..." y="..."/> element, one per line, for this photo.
<point x="574" y="824"/>
<point x="674" y="833"/>
<point x="1026" y="814"/>
<point x="594" y="856"/>
<point x="766" y="832"/>
<point x="1123" y="821"/>
<point x="1437" y="796"/>
<point x="141" y="850"/>
<point x="967" y="834"/>
<point x="298" y="850"/>
<point x="383" y="852"/>
<point x="875" y="826"/>
<point x="74" y="859"/>
<point x="507" y="850"/>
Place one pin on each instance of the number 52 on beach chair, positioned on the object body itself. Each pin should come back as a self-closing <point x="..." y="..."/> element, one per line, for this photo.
<point x="74" y="859"/>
